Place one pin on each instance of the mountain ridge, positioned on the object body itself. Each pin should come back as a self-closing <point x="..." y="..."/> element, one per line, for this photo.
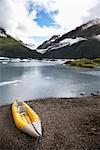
<point x="83" y="41"/>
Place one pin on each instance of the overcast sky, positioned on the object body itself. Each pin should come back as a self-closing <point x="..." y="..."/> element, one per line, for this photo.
<point x="33" y="21"/>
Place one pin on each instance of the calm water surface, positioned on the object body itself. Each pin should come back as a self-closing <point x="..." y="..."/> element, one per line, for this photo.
<point x="35" y="79"/>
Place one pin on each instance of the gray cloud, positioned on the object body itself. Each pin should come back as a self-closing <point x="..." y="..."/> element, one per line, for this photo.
<point x="6" y="13"/>
<point x="93" y="12"/>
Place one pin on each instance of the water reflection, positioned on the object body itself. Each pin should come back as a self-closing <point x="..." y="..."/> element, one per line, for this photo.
<point x="45" y="79"/>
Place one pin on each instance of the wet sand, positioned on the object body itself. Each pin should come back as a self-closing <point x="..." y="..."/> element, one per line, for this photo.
<point x="68" y="124"/>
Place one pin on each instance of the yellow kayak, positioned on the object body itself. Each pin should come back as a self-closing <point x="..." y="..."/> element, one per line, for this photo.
<point x="26" y="119"/>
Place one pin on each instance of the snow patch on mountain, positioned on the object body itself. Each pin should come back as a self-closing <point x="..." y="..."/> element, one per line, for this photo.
<point x="63" y="43"/>
<point x="70" y="41"/>
<point x="30" y="46"/>
<point x="42" y="51"/>
<point x="3" y="35"/>
<point x="53" y="38"/>
<point x="97" y="37"/>
<point x="91" y="23"/>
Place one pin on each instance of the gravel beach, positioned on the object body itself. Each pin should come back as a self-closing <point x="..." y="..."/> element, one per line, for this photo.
<point x="68" y="124"/>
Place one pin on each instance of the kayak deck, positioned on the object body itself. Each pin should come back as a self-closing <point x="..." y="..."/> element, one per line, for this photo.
<point x="26" y="118"/>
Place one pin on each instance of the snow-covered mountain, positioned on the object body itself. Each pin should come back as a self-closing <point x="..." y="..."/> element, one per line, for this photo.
<point x="30" y="46"/>
<point x="91" y="23"/>
<point x="84" y="41"/>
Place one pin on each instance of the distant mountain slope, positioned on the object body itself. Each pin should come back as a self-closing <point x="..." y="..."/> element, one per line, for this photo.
<point x="9" y="47"/>
<point x="84" y="41"/>
<point x="82" y="49"/>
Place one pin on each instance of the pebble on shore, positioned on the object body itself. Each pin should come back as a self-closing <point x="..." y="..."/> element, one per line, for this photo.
<point x="68" y="124"/>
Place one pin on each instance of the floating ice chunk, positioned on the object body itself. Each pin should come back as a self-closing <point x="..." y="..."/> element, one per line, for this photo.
<point x="9" y="82"/>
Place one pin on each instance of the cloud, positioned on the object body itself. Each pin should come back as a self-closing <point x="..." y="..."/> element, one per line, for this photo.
<point x="94" y="12"/>
<point x="71" y="12"/>
<point x="19" y="22"/>
<point x="20" y="18"/>
<point x="14" y="17"/>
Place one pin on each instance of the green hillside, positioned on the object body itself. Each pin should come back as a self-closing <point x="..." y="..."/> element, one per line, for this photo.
<point x="9" y="47"/>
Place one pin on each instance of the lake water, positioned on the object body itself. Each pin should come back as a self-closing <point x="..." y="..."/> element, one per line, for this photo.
<point x="42" y="79"/>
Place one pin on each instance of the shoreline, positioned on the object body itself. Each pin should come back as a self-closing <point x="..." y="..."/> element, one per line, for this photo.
<point x="68" y="123"/>
<point x="93" y="95"/>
